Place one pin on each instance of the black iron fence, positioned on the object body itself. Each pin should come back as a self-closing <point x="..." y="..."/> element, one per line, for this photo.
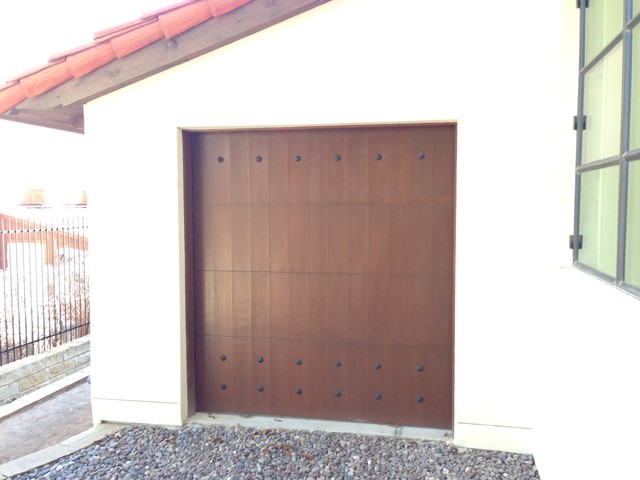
<point x="44" y="284"/>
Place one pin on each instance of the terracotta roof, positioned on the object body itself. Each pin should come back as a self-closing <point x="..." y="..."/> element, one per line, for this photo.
<point x="53" y="95"/>
<point x="109" y="45"/>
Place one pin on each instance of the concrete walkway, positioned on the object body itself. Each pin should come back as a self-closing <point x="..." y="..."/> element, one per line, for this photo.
<point x="46" y="423"/>
<point x="61" y="412"/>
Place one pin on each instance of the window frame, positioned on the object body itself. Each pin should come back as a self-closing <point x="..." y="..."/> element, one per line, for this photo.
<point x="624" y="156"/>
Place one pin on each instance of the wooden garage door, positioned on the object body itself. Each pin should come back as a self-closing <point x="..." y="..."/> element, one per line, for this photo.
<point x="324" y="273"/>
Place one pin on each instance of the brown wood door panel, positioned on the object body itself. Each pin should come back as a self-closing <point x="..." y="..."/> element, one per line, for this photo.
<point x="318" y="306"/>
<point x="258" y="171"/>
<point x="319" y="151"/>
<point x="241" y="238"/>
<point x="337" y="161"/>
<point x="279" y="238"/>
<point x="279" y="304"/>
<point x="260" y="304"/>
<point x="330" y="388"/>
<point x="278" y="168"/>
<point x="239" y="169"/>
<point x="216" y="189"/>
<point x="418" y="376"/>
<point x="432" y="240"/>
<point x="338" y="239"/>
<point x="318" y="252"/>
<point x="260" y="254"/>
<point x="241" y="295"/>
<point x="356" y="169"/>
<point x="290" y="381"/>
<point x="225" y="374"/>
<point x="324" y="253"/>
<point x="298" y="241"/>
<point x="298" y="323"/>
<point x="378" y="245"/>
<point x="213" y="303"/>
<point x="298" y="166"/>
<point x="337" y="326"/>
<point x="433" y="179"/>
<point x="262" y="387"/>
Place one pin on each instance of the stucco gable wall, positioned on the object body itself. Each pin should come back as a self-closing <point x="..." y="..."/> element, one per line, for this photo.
<point x="587" y="417"/>
<point x="506" y="84"/>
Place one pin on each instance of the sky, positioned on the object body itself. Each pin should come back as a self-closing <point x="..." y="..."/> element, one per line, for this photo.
<point x="30" y="32"/>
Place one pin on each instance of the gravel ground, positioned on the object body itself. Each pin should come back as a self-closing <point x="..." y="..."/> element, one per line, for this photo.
<point x="206" y="452"/>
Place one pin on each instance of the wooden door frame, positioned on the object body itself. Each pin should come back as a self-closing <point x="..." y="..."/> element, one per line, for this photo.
<point x="189" y="273"/>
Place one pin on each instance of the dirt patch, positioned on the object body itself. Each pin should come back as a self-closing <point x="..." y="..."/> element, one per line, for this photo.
<point x="46" y="423"/>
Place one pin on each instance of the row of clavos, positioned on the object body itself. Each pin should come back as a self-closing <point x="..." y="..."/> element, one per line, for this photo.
<point x="338" y="363"/>
<point x="337" y="157"/>
<point x="337" y="393"/>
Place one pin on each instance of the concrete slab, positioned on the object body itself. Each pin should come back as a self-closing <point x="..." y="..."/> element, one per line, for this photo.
<point x="324" y="425"/>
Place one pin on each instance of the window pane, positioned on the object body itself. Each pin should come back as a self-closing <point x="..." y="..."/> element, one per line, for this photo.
<point x="634" y="127"/>
<point x="636" y="7"/>
<point x="599" y="219"/>
<point x="602" y="106"/>
<point x="632" y="267"/>
<point x="604" y="21"/>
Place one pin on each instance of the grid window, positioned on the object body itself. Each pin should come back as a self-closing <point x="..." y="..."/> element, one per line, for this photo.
<point x="603" y="107"/>
<point x="598" y="223"/>
<point x="634" y="134"/>
<point x="632" y="270"/>
<point x="604" y="20"/>
<point x="608" y="148"/>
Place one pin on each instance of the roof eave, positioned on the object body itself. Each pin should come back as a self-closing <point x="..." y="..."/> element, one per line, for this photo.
<point x="62" y="107"/>
<point x="70" y="118"/>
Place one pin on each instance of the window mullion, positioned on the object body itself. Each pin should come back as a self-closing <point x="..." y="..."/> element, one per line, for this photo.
<point x="581" y="55"/>
<point x="624" y="144"/>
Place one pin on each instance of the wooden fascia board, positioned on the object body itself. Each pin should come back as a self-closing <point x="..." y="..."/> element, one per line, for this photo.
<point x="159" y="56"/>
<point x="69" y="119"/>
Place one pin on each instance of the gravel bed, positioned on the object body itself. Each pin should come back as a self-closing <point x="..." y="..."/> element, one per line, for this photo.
<point x="212" y="452"/>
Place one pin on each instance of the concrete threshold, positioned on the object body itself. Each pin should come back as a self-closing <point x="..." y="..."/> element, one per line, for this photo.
<point x="259" y="421"/>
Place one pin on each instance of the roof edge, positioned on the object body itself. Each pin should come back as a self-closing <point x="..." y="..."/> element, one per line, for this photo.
<point x="62" y="107"/>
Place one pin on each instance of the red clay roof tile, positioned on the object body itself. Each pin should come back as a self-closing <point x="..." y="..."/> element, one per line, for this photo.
<point x="134" y="40"/>
<point x="112" y="43"/>
<point x="11" y="95"/>
<point x="175" y="22"/>
<point x="45" y="79"/>
<point x="61" y="56"/>
<point x="160" y="11"/>
<point x="89" y="59"/>
<point x="220" y="7"/>
<point x="109" y="33"/>
<point x="32" y="71"/>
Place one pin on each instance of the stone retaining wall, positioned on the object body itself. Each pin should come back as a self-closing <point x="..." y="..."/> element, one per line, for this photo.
<point x="28" y="374"/>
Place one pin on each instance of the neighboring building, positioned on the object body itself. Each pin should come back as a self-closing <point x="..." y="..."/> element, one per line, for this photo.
<point x="40" y="238"/>
<point x="54" y="199"/>
<point x="368" y="198"/>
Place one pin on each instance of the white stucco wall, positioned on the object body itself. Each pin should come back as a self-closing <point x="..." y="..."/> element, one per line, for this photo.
<point x="504" y="70"/>
<point x="588" y="420"/>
